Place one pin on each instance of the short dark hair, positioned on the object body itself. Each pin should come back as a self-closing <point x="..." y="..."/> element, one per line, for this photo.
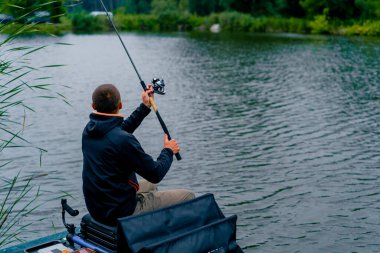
<point x="106" y="98"/>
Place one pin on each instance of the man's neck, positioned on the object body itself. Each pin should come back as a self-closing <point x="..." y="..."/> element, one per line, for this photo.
<point x="117" y="114"/>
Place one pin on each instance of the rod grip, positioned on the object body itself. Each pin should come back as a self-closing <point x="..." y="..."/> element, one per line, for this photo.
<point x="178" y="156"/>
<point x="162" y="123"/>
<point x="166" y="131"/>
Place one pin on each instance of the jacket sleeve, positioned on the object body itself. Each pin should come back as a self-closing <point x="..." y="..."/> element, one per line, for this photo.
<point x="135" y="119"/>
<point x="144" y="165"/>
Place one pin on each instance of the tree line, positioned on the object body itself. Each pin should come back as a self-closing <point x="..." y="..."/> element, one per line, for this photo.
<point x="335" y="9"/>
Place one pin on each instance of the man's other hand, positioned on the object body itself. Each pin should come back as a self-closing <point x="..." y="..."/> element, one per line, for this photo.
<point x="172" y="144"/>
<point x="145" y="95"/>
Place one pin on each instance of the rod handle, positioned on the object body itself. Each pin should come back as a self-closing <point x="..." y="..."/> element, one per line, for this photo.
<point x="178" y="156"/>
<point x="166" y="131"/>
<point x="162" y="123"/>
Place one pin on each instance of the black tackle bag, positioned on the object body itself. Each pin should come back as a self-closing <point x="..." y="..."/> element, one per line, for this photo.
<point x="195" y="226"/>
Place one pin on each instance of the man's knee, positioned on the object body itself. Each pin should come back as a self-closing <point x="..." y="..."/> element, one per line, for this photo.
<point x="187" y="195"/>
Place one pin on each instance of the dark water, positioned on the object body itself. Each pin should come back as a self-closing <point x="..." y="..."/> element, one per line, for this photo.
<point x="283" y="129"/>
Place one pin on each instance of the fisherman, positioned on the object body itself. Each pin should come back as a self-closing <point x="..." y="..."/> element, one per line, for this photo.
<point x="112" y="156"/>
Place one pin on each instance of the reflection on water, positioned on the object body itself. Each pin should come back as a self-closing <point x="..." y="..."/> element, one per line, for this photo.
<point x="283" y="129"/>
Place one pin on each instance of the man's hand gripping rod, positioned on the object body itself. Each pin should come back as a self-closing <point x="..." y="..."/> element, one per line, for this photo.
<point x="162" y="123"/>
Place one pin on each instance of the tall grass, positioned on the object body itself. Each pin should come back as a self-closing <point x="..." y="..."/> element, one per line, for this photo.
<point x="19" y="196"/>
<point x="19" y="80"/>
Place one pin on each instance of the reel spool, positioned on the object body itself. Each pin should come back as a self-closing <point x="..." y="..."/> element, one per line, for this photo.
<point x="159" y="86"/>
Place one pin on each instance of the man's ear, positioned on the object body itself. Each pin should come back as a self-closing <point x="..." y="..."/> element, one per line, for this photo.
<point x="120" y="105"/>
<point x="93" y="106"/>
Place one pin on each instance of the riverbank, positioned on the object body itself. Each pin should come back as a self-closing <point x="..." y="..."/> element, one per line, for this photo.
<point x="237" y="22"/>
<point x="220" y="22"/>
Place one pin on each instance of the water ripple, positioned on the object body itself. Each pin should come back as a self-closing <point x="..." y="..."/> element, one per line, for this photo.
<point x="283" y="129"/>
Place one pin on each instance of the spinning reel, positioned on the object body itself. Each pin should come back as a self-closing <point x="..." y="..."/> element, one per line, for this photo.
<point x="159" y="86"/>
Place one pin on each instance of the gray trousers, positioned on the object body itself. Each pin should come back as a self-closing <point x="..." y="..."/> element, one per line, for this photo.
<point x="149" y="198"/>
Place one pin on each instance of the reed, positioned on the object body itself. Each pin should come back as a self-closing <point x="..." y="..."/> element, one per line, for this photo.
<point x="20" y="81"/>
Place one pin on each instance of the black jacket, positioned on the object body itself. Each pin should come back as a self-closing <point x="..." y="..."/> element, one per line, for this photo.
<point x="111" y="156"/>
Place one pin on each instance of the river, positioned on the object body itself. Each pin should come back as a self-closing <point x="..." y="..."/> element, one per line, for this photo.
<point x="283" y="129"/>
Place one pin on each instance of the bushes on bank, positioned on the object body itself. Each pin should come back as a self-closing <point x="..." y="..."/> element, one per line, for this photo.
<point x="83" y="22"/>
<point x="368" y="28"/>
<point x="167" y="21"/>
<point x="320" y="25"/>
<point x="238" y="22"/>
<point x="136" y="22"/>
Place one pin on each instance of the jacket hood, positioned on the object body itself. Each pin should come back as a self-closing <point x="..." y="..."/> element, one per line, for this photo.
<point x="100" y="125"/>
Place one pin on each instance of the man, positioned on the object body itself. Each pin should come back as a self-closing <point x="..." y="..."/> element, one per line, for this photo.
<point x="112" y="156"/>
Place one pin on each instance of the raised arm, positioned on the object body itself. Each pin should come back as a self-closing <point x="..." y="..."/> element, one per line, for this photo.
<point x="135" y="119"/>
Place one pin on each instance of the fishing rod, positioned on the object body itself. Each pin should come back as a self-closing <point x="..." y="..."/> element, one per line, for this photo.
<point x="158" y="85"/>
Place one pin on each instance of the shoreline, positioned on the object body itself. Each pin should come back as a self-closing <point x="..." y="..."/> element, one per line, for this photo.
<point x="230" y="22"/>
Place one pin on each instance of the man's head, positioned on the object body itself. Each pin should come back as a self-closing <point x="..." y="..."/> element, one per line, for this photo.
<point x="106" y="99"/>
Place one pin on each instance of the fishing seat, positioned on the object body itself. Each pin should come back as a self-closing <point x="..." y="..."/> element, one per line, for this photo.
<point x="197" y="225"/>
<point x="98" y="233"/>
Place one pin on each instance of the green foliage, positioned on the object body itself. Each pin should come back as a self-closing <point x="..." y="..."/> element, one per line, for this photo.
<point x="320" y="16"/>
<point x="138" y="6"/>
<point x="162" y="22"/>
<point x="44" y="28"/>
<point x="15" y="82"/>
<point x="136" y="22"/>
<point x="19" y="80"/>
<point x="290" y="8"/>
<point x="183" y="6"/>
<point x="337" y="9"/>
<point x="232" y="21"/>
<point x="13" y="208"/>
<point x="369" y="28"/>
<point x="203" y="7"/>
<point x="57" y="10"/>
<point x="168" y="21"/>
<point x="22" y="9"/>
<point x="369" y="9"/>
<point x="164" y="6"/>
<point x="83" y="22"/>
<point x="320" y="25"/>
<point x="238" y="22"/>
<point x="313" y="7"/>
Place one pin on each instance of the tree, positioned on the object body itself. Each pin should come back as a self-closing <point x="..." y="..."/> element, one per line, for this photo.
<point x="313" y="7"/>
<point x="290" y="8"/>
<point x="138" y="6"/>
<point x="369" y="9"/>
<point x="162" y="6"/>
<point x="341" y="9"/>
<point x="203" y="7"/>
<point x="183" y="6"/>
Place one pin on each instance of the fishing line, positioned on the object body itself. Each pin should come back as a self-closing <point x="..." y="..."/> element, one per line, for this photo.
<point x="121" y="40"/>
<point x="162" y="123"/>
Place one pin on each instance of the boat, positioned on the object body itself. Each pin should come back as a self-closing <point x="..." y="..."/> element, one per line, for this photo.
<point x="194" y="226"/>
